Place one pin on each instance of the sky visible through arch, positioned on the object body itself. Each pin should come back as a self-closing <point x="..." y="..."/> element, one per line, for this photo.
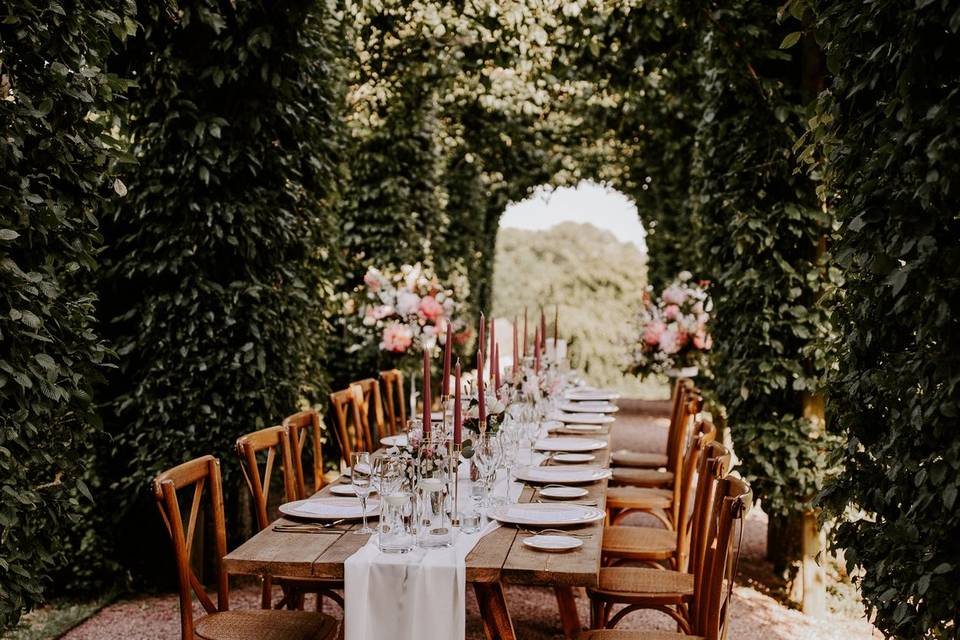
<point x="589" y="202"/>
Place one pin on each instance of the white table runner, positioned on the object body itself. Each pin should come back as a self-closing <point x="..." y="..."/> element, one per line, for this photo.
<point x="415" y="595"/>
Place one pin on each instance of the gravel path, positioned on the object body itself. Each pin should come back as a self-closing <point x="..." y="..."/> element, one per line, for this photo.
<point x="754" y="615"/>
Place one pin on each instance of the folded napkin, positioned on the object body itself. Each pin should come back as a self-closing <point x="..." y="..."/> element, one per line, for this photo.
<point x="347" y="509"/>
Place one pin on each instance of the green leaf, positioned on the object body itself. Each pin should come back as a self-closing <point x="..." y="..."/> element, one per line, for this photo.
<point x="790" y="39"/>
<point x="8" y="234"/>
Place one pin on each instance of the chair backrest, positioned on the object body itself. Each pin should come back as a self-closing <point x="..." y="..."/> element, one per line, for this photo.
<point x="691" y="406"/>
<point x="694" y="466"/>
<point x="198" y="473"/>
<point x="679" y="423"/>
<point x="273" y="440"/>
<point x="394" y="401"/>
<point x="347" y="421"/>
<point x="303" y="426"/>
<point x="371" y="411"/>
<point x="711" y="605"/>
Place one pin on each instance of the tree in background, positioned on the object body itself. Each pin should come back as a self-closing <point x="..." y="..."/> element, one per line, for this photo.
<point x="219" y="261"/>
<point x="597" y="281"/>
<point x="55" y="173"/>
<point x="889" y="130"/>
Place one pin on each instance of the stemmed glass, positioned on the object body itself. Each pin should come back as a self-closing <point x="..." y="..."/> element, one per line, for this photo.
<point x="487" y="452"/>
<point x="509" y="441"/>
<point x="360" y="475"/>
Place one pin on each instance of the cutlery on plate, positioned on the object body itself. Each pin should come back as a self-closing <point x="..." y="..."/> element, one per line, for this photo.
<point x="586" y="503"/>
<point x="306" y="528"/>
<point x="556" y="532"/>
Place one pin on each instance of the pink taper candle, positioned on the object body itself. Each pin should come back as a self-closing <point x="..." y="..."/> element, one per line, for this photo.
<point x="536" y="351"/>
<point x="481" y="345"/>
<point x="556" y="326"/>
<point x="427" y="422"/>
<point x="516" y="353"/>
<point x="524" y="332"/>
<point x="481" y="397"/>
<point x="493" y="342"/>
<point x="457" y="409"/>
<point x="447" y="349"/>
<point x="496" y="368"/>
<point x="543" y="331"/>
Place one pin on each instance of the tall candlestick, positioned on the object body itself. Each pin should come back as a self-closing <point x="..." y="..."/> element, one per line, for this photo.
<point x="447" y="349"/>
<point x="427" y="422"/>
<point x="516" y="354"/>
<point x="457" y="410"/>
<point x="556" y="325"/>
<point x="481" y="397"/>
<point x="524" y="332"/>
<point x="536" y="352"/>
<point x="482" y="344"/>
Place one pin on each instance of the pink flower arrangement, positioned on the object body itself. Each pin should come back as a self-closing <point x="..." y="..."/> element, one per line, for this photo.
<point x="404" y="310"/>
<point x="673" y="330"/>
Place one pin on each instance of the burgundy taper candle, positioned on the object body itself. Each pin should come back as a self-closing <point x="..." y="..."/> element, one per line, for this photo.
<point x="447" y="349"/>
<point x="481" y="397"/>
<point x="427" y="421"/>
<point x="543" y="331"/>
<point x="536" y="352"/>
<point x="525" y="332"/>
<point x="493" y="341"/>
<point x="457" y="409"/>
<point x="496" y="368"/>
<point x="516" y="353"/>
<point x="481" y="345"/>
<point x="556" y="326"/>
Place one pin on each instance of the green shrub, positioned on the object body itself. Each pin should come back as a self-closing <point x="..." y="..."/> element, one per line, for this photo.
<point x="220" y="261"/>
<point x="890" y="129"/>
<point x="55" y="162"/>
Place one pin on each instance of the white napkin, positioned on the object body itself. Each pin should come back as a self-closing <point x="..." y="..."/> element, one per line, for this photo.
<point x="333" y="509"/>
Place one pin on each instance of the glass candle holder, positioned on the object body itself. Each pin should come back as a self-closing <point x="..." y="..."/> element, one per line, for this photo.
<point x="395" y="528"/>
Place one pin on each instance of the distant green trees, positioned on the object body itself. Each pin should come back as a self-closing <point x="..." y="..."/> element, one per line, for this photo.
<point x="596" y="280"/>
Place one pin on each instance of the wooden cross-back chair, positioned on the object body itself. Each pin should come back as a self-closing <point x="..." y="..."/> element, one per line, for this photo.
<point x="683" y="595"/>
<point x="304" y="427"/>
<point x="348" y="424"/>
<point x="280" y="440"/>
<point x="651" y="545"/>
<point x="396" y="408"/>
<point x="220" y="623"/>
<point x="651" y="490"/>
<point x="371" y="411"/>
<point x="656" y="460"/>
<point x="702" y="606"/>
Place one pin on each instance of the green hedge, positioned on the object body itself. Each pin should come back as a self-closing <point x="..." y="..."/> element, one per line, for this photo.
<point x="890" y="129"/>
<point x="220" y="261"/>
<point x="55" y="164"/>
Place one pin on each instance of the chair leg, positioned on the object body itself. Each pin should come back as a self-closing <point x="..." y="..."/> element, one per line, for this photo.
<point x="266" y="593"/>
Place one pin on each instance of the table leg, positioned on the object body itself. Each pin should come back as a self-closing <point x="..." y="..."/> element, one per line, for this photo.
<point x="569" y="616"/>
<point x="493" y="610"/>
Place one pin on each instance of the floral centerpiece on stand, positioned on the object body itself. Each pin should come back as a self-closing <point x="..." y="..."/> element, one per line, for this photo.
<point x="673" y="333"/>
<point x="496" y="410"/>
<point x="399" y="312"/>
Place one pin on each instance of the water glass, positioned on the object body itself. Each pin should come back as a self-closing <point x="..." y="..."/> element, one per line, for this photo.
<point x="360" y="476"/>
<point x="395" y="528"/>
<point x="434" y="528"/>
<point x="487" y="453"/>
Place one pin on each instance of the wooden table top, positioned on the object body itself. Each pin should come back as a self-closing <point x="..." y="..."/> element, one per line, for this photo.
<point x="498" y="557"/>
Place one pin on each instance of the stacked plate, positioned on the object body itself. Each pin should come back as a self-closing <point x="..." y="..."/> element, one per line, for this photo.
<point x="329" y="508"/>
<point x="569" y="444"/>
<point x="577" y="474"/>
<point x="538" y="514"/>
<point x="589" y="407"/>
<point x="583" y="418"/>
<point x="587" y="394"/>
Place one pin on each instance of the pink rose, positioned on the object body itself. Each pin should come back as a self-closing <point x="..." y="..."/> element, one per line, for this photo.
<point x="702" y="340"/>
<point x="671" y="312"/>
<point x="674" y="295"/>
<point x="382" y="311"/>
<point x="430" y="308"/>
<point x="652" y="333"/>
<point x="372" y="281"/>
<point x="396" y="338"/>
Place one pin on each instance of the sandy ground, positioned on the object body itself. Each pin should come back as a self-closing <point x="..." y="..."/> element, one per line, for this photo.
<point x="754" y="616"/>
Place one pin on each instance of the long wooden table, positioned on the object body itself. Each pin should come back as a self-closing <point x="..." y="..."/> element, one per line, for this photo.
<point x="499" y="558"/>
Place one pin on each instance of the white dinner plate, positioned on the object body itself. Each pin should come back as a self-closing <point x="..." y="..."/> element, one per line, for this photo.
<point x="346" y="489"/>
<point x="589" y="407"/>
<point x="573" y="444"/>
<point x="329" y="508"/>
<point x="584" y="418"/>
<point x="584" y="428"/>
<point x="563" y="493"/>
<point x="399" y="440"/>
<point x="574" y="457"/>
<point x="540" y="514"/>
<point x="565" y="474"/>
<point x="586" y="394"/>
<point x="554" y="544"/>
<point x="552" y="425"/>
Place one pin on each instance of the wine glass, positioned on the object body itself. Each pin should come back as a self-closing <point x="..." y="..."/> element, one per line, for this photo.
<point x="360" y="475"/>
<point x="488" y="453"/>
<point x="509" y="445"/>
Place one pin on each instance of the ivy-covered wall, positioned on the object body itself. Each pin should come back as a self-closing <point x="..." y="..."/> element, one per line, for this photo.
<point x="219" y="262"/>
<point x="889" y="132"/>
<point x="56" y="161"/>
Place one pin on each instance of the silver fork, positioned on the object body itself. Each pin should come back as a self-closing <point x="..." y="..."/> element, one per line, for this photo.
<point x="306" y="528"/>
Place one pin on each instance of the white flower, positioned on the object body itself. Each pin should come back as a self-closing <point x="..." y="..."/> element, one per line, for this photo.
<point x="407" y="303"/>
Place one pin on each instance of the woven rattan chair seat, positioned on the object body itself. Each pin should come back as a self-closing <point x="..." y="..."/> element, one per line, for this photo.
<point x="640" y="543"/>
<point x="638" y="498"/>
<point x="642" y="459"/>
<point x="640" y="582"/>
<point x="642" y="477"/>
<point x="625" y="634"/>
<point x="266" y="625"/>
